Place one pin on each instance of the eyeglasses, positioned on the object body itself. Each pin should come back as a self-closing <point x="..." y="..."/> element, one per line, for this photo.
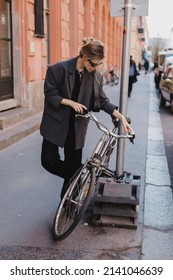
<point x="92" y="63"/>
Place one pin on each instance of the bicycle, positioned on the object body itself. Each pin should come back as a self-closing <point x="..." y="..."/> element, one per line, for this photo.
<point x="114" y="79"/>
<point x="81" y="185"/>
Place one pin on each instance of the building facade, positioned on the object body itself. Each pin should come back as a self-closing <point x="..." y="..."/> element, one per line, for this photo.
<point x="139" y="39"/>
<point x="36" y="33"/>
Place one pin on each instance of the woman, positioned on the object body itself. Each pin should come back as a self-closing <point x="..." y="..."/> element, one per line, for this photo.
<point x="71" y="87"/>
<point x="132" y="75"/>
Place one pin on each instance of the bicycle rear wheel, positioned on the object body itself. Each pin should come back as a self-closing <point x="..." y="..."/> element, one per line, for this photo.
<point x="74" y="203"/>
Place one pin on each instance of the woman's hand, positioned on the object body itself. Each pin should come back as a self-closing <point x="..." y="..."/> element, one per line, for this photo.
<point x="78" y="107"/>
<point x="126" y="125"/>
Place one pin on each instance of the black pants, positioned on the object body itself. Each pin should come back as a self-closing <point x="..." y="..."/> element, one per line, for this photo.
<point x="51" y="161"/>
<point x="131" y="79"/>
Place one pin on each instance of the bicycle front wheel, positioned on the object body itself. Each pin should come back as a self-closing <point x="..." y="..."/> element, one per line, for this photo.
<point x="74" y="203"/>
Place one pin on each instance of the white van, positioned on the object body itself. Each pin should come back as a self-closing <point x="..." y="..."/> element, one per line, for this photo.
<point x="166" y="83"/>
<point x="168" y="61"/>
<point x="162" y="55"/>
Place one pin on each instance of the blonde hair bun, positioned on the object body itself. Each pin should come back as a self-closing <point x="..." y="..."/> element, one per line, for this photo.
<point x="86" y="41"/>
<point x="92" y="48"/>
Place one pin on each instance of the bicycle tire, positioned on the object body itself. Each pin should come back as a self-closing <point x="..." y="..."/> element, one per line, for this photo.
<point x="74" y="203"/>
<point x="116" y="81"/>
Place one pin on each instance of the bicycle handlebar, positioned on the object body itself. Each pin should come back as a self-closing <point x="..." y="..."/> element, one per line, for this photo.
<point x="102" y="127"/>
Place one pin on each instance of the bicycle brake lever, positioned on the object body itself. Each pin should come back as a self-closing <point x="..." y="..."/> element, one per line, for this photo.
<point x="132" y="134"/>
<point x="85" y="114"/>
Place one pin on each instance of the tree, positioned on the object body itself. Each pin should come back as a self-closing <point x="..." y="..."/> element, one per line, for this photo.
<point x="156" y="45"/>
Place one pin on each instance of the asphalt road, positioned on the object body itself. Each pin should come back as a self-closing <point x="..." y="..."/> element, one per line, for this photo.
<point x="167" y="126"/>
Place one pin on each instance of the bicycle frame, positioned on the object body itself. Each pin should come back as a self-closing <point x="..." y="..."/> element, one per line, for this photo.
<point x="101" y="155"/>
<point x="114" y="79"/>
<point x="104" y="149"/>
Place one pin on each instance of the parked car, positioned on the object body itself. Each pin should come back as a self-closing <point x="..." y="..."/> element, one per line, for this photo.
<point x="168" y="61"/>
<point x="166" y="85"/>
<point x="158" y="70"/>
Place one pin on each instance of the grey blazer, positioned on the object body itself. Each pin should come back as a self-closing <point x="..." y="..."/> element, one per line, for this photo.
<point x="59" y="83"/>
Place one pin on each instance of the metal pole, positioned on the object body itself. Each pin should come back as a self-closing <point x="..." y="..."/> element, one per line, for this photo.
<point x="128" y="6"/>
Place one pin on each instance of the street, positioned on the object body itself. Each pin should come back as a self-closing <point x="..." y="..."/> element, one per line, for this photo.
<point x="166" y="119"/>
<point x="30" y="195"/>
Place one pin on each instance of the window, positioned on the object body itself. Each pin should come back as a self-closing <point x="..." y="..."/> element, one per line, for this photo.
<point x="39" y="18"/>
<point x="6" y="67"/>
<point x="47" y="27"/>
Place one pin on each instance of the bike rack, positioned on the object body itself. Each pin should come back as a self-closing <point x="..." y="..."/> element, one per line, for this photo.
<point x="116" y="203"/>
